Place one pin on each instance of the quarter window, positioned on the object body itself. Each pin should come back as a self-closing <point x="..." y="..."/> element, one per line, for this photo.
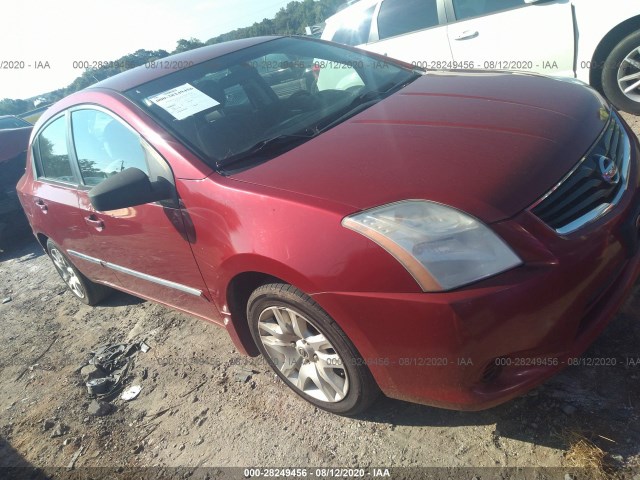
<point x="475" y="8"/>
<point x="397" y="17"/>
<point x="104" y="146"/>
<point x="53" y="152"/>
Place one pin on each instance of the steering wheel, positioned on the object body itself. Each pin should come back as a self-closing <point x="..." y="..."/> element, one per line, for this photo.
<point x="303" y="100"/>
<point x="285" y="125"/>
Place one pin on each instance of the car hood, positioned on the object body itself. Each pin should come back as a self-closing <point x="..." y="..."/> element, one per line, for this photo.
<point x="488" y="143"/>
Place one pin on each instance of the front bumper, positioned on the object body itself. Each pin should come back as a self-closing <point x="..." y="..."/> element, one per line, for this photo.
<point x="475" y="352"/>
<point x="487" y="343"/>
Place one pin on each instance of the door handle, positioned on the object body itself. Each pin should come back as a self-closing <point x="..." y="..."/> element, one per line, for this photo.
<point x="468" y="34"/>
<point x="41" y="205"/>
<point x="94" y="222"/>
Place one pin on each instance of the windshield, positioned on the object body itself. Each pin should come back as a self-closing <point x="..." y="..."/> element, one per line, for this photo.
<point x="248" y="106"/>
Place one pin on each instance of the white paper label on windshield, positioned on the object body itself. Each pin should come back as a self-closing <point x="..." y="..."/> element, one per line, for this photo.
<point x="183" y="101"/>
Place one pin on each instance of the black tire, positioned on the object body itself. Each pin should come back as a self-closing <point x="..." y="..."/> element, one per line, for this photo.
<point x="362" y="389"/>
<point x="80" y="286"/>
<point x="610" y="71"/>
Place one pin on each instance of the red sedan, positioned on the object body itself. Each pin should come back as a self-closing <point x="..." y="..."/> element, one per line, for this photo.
<point x="447" y="238"/>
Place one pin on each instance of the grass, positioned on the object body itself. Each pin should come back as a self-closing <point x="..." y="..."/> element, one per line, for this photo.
<point x="34" y="118"/>
<point x="584" y="454"/>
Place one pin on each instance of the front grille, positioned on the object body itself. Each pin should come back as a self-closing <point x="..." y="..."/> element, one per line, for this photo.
<point x="585" y="194"/>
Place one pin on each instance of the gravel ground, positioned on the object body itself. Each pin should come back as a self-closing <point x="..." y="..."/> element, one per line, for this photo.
<point x="204" y="405"/>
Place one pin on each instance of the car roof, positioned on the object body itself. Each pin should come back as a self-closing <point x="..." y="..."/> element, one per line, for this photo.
<point x="173" y="63"/>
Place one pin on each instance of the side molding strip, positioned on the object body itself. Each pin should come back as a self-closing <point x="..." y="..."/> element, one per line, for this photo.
<point x="150" y="278"/>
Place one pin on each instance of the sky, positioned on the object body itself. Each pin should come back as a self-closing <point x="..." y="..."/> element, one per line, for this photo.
<point x="61" y="32"/>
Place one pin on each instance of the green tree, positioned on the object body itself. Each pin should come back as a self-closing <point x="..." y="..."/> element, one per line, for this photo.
<point x="9" y="106"/>
<point x="290" y="20"/>
<point x="184" y="45"/>
<point x="55" y="166"/>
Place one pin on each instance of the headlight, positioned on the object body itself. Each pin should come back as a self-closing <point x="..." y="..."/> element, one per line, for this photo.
<point x="440" y="246"/>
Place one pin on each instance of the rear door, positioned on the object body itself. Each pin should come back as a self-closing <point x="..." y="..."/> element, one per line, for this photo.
<point x="513" y="35"/>
<point x="147" y="246"/>
<point x="53" y="199"/>
<point x="413" y="31"/>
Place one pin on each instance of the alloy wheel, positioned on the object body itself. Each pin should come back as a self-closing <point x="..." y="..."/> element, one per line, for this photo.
<point x="629" y="75"/>
<point x="303" y="354"/>
<point x="67" y="273"/>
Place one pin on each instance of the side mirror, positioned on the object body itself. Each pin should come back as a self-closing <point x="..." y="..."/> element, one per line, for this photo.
<point x="128" y="188"/>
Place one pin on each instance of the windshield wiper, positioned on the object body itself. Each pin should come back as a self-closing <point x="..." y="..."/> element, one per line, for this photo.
<point x="273" y="143"/>
<point x="365" y="100"/>
<point x="372" y="94"/>
<point x="361" y="102"/>
<point x="351" y="111"/>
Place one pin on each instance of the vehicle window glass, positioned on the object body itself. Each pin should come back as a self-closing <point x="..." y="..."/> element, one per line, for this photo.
<point x="475" y="8"/>
<point x="53" y="152"/>
<point x="337" y="76"/>
<point x="285" y="74"/>
<point x="403" y="16"/>
<point x="236" y="95"/>
<point x="104" y="146"/>
<point x="355" y="31"/>
<point x="237" y="108"/>
<point x="12" y="122"/>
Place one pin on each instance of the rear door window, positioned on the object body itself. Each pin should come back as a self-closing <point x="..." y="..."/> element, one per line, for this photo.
<point x="355" y="33"/>
<point x="397" y="17"/>
<point x="475" y="8"/>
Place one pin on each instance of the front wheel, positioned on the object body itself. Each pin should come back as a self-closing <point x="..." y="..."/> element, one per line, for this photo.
<point x="308" y="350"/>
<point x="621" y="75"/>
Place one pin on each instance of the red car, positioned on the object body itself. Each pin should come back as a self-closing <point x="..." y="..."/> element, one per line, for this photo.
<point x="448" y="238"/>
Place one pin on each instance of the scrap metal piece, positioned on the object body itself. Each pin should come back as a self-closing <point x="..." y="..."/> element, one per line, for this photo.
<point x="131" y="393"/>
<point x="110" y="366"/>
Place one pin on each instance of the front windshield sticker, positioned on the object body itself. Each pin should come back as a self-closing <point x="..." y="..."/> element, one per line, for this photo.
<point x="183" y="101"/>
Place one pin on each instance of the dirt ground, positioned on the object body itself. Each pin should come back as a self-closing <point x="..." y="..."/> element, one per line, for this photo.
<point x="204" y="405"/>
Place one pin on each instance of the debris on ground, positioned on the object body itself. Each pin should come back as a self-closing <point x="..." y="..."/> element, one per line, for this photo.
<point x="98" y="408"/>
<point x="583" y="453"/>
<point x="48" y="424"/>
<point x="131" y="393"/>
<point x="243" y="375"/>
<point x="59" y="430"/>
<point x="90" y="372"/>
<point x="107" y="371"/>
<point x="75" y="457"/>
